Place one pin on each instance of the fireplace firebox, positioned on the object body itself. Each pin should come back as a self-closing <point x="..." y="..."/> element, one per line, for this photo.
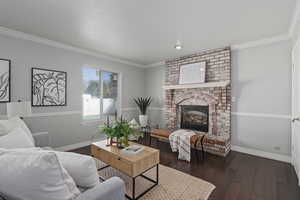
<point x="195" y="117"/>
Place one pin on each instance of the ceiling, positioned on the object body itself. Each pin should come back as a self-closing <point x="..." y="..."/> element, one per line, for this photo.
<point x="145" y="31"/>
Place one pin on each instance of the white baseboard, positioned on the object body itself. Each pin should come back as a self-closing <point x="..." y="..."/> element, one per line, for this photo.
<point x="263" y="154"/>
<point x="73" y="146"/>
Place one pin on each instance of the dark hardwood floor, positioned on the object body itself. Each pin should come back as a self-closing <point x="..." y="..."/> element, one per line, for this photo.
<point x="236" y="177"/>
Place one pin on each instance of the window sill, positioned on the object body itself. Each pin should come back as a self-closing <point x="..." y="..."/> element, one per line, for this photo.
<point x="91" y="122"/>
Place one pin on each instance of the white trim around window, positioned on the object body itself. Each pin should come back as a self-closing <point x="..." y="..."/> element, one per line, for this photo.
<point x="119" y="95"/>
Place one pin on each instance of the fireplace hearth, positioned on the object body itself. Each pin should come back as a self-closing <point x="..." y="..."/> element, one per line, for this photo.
<point x="195" y="117"/>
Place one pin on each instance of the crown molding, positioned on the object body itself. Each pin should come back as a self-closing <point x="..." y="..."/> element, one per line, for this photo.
<point x="265" y="41"/>
<point x="261" y="42"/>
<point x="156" y="64"/>
<point x="294" y="20"/>
<point x="25" y="36"/>
<point x="246" y="45"/>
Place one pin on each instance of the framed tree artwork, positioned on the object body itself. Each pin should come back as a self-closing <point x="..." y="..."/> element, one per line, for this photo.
<point x="5" y="80"/>
<point x="49" y="87"/>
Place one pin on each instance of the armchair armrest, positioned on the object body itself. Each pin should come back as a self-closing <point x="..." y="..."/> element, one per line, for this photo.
<point x="4" y="197"/>
<point x="42" y="139"/>
<point x="112" y="189"/>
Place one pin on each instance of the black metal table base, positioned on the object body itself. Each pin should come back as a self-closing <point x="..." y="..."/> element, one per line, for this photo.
<point x="133" y="197"/>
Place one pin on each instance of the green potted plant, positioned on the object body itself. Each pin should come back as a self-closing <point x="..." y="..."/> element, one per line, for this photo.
<point x="143" y="104"/>
<point x="117" y="132"/>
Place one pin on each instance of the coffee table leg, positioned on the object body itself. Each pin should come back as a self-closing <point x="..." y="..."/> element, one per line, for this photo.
<point x="133" y="188"/>
<point x="155" y="181"/>
<point x="157" y="173"/>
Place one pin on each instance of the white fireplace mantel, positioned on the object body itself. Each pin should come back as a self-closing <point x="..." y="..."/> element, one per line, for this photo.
<point x="197" y="85"/>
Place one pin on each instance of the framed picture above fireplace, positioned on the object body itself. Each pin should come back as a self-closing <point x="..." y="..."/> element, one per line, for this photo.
<point x="192" y="73"/>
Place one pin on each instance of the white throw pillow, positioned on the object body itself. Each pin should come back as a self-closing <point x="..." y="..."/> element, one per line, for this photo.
<point x="17" y="138"/>
<point x="81" y="168"/>
<point x="35" y="175"/>
<point x="7" y="126"/>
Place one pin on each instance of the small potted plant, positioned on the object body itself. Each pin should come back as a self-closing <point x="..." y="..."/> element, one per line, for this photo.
<point x="117" y="132"/>
<point x="143" y="104"/>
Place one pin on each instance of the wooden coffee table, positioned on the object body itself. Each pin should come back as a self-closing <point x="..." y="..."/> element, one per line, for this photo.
<point x="131" y="165"/>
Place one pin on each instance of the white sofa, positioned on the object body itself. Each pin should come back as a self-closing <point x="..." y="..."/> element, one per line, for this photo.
<point x="111" y="189"/>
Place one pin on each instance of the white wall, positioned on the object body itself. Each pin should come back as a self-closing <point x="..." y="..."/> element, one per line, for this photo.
<point x="63" y="129"/>
<point x="261" y="83"/>
<point x="154" y="80"/>
<point x="295" y="136"/>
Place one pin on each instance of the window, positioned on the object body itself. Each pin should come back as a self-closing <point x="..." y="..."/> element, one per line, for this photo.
<point x="100" y="97"/>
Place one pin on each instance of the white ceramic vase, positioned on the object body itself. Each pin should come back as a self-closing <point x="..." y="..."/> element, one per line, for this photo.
<point x="143" y="120"/>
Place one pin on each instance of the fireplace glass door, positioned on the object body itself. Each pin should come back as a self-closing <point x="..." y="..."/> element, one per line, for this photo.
<point x="195" y="117"/>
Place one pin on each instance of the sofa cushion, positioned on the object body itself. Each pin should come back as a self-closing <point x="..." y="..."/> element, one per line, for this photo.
<point x="81" y="168"/>
<point x="7" y="126"/>
<point x="35" y="175"/>
<point x="17" y="138"/>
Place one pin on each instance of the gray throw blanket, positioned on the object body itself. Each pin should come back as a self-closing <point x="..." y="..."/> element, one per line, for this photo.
<point x="180" y="142"/>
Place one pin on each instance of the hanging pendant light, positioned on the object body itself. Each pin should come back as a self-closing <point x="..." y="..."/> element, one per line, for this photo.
<point x="178" y="45"/>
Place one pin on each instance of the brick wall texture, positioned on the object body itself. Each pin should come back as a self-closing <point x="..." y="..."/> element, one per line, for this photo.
<point x="218" y="68"/>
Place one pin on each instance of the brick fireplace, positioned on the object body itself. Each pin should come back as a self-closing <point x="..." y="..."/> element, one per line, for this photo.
<point x="215" y="94"/>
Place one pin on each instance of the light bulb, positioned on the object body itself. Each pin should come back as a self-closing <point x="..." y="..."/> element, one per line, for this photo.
<point x="178" y="45"/>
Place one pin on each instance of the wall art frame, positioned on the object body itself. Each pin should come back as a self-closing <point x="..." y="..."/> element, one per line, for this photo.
<point x="5" y="80"/>
<point x="192" y="73"/>
<point x="48" y="87"/>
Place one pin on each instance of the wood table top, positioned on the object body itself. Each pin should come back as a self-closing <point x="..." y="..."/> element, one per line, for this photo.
<point x="146" y="152"/>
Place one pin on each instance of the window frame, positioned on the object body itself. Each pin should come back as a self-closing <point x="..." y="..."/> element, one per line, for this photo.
<point x="119" y="96"/>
